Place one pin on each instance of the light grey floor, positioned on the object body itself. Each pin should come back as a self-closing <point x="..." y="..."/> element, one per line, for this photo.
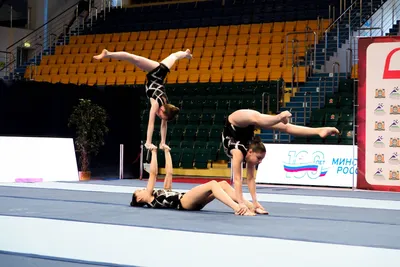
<point x="317" y="223"/>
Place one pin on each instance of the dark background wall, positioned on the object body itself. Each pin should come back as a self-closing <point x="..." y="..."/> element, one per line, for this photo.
<point x="43" y="109"/>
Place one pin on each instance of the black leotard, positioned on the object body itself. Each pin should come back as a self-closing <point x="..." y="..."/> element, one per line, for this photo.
<point x="155" y="84"/>
<point x="234" y="137"/>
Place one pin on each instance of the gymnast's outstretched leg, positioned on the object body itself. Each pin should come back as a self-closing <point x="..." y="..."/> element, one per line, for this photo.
<point x="143" y="63"/>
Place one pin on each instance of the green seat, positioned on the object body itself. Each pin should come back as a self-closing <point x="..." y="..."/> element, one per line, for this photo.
<point x="176" y="157"/>
<point x="248" y="102"/>
<point x="315" y="140"/>
<point x="202" y="156"/>
<point x="216" y="133"/>
<point x="209" y="104"/>
<point x="346" y="86"/>
<point x="222" y="155"/>
<point x="177" y="133"/>
<point x="300" y="140"/>
<point x="203" y="132"/>
<point x="317" y="118"/>
<point x="331" y="119"/>
<point x="346" y="100"/>
<point x="331" y="101"/>
<point x="332" y="139"/>
<point x="346" y="137"/>
<point x="187" y="144"/>
<point x="187" y="158"/>
<point x="197" y="102"/>
<point x="200" y="145"/>
<point x="222" y="104"/>
<point x="173" y="144"/>
<point x="182" y="118"/>
<point x="207" y="117"/>
<point x="194" y="118"/>
<point x="213" y="147"/>
<point x="160" y="158"/>
<point x="219" y="118"/>
<point x="186" y="105"/>
<point x="346" y="120"/>
<point x="190" y="133"/>
<point x="235" y="103"/>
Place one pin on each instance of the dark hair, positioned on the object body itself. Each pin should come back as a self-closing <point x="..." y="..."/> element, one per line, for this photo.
<point x="135" y="203"/>
<point x="170" y="111"/>
<point x="257" y="145"/>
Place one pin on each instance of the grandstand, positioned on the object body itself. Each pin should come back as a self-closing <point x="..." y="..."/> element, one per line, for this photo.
<point x="264" y="55"/>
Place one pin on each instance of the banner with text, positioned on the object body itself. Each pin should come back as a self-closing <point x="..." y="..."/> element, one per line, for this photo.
<point x="321" y="165"/>
<point x="37" y="159"/>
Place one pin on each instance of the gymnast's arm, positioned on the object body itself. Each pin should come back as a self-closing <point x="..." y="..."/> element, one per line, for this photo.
<point x="251" y="182"/>
<point x="168" y="170"/>
<point x="237" y="158"/>
<point x="150" y="125"/>
<point x="163" y="132"/>
<point x="153" y="171"/>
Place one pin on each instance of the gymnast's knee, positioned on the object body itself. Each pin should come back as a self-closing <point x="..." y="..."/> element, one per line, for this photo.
<point x="223" y="184"/>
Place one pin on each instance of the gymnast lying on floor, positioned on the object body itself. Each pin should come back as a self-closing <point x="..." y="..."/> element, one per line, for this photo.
<point x="193" y="200"/>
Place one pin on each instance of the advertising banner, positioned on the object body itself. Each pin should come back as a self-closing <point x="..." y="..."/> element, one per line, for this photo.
<point x="379" y="113"/>
<point x="320" y="165"/>
<point x="37" y="159"/>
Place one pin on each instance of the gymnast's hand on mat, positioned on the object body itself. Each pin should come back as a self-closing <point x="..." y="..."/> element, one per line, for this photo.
<point x="326" y="131"/>
<point x="150" y="146"/>
<point x="285" y="116"/>
<point x="259" y="209"/>
<point x="164" y="147"/>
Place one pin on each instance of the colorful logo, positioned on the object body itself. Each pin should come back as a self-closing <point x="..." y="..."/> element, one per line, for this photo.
<point x="379" y="142"/>
<point x="394" y="159"/>
<point x="395" y="93"/>
<point x="379" y="158"/>
<point x="379" y="93"/>
<point x="303" y="163"/>
<point x="394" y="127"/>
<point x="394" y="175"/>
<point x="395" y="109"/>
<point x="379" y="125"/>
<point x="379" y="173"/>
<point x="394" y="142"/>
<point x="379" y="109"/>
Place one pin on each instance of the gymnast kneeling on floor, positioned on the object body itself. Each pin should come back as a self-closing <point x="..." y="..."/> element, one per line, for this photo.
<point x="193" y="200"/>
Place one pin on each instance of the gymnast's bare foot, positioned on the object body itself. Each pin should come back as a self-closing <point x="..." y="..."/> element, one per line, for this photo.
<point x="326" y="131"/>
<point x="103" y="54"/>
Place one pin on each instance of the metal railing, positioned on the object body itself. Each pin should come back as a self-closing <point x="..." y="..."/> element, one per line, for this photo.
<point x="319" y="90"/>
<point x="51" y="32"/>
<point x="8" y="60"/>
<point x="351" y="19"/>
<point x="333" y="75"/>
<point x="379" y="24"/>
<point x="306" y="32"/>
<point x="305" y="106"/>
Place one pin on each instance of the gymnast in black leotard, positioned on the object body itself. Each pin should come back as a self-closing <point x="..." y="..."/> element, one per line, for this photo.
<point x="193" y="200"/>
<point x="155" y="87"/>
<point x="241" y="144"/>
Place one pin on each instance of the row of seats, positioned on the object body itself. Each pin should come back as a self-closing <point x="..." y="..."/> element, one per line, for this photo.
<point x="138" y="78"/>
<point x="84" y="54"/>
<point x="276" y="33"/>
<point x="203" y="62"/>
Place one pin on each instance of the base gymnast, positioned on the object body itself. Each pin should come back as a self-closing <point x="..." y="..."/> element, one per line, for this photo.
<point x="155" y="87"/>
<point x="242" y="146"/>
<point x="193" y="200"/>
